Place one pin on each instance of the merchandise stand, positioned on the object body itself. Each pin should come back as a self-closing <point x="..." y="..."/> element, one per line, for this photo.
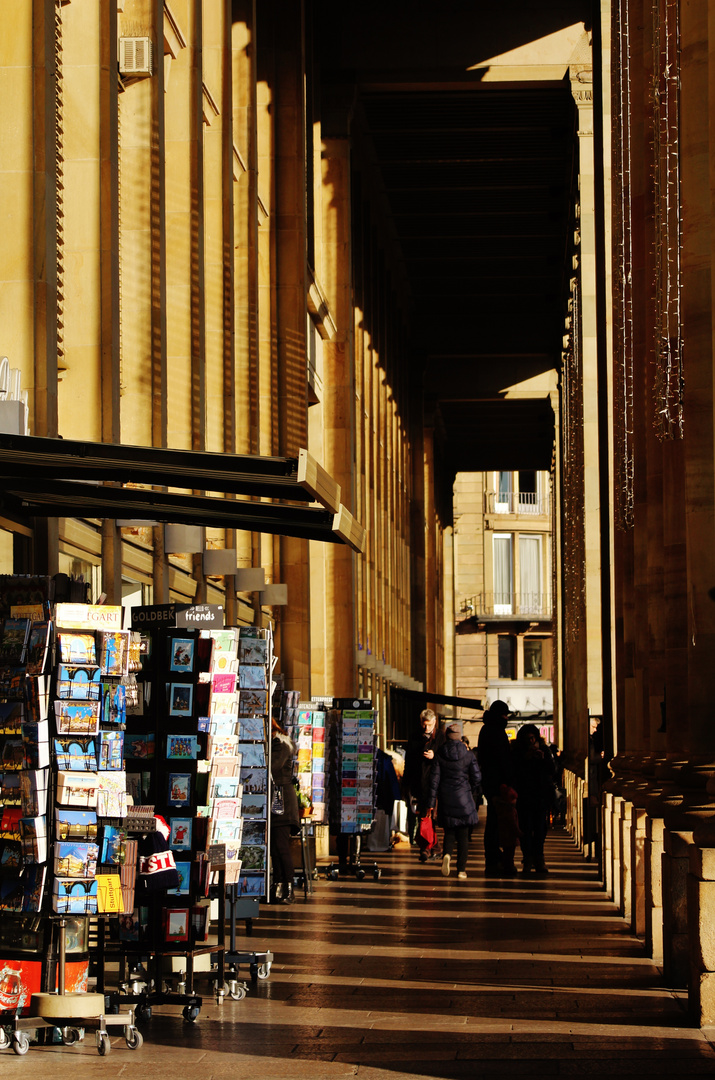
<point x="351" y="787"/>
<point x="70" y="1012"/>
<point x="259" y="963"/>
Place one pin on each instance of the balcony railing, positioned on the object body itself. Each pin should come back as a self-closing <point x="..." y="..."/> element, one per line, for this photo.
<point x="518" y="502"/>
<point x="507" y="605"/>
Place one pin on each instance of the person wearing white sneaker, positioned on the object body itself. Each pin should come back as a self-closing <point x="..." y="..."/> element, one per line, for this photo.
<point x="462" y="875"/>
<point x="454" y="774"/>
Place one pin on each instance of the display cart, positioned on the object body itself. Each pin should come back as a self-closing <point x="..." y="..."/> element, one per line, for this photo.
<point x="70" y="1012"/>
<point x="259" y="963"/>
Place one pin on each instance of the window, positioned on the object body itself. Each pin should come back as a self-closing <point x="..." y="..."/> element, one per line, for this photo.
<point x="530" y="598"/>
<point x="503" y="573"/>
<point x="528" y="491"/>
<point x="533" y="658"/>
<point x="504" y="488"/>
<point x="506" y="653"/>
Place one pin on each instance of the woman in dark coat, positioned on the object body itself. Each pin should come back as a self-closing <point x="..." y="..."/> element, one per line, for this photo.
<point x="534" y="772"/>
<point x="287" y="824"/>
<point x="454" y="775"/>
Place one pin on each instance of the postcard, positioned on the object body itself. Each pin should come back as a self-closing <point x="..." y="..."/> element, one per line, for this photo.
<point x="183" y="869"/>
<point x="252" y="651"/>
<point x="182" y="746"/>
<point x="179" y="793"/>
<point x="251" y="702"/>
<point x="254" y="781"/>
<point x="253" y="755"/>
<point x="252" y="677"/>
<point x="180" y="835"/>
<point x="181" y="697"/>
<point x="141" y="747"/>
<point x="254" y="806"/>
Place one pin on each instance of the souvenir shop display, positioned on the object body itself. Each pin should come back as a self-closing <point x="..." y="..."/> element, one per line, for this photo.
<point x="351" y="785"/>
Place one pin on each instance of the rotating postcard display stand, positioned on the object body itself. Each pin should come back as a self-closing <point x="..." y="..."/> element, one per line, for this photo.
<point x="351" y="787"/>
<point x="62" y="782"/>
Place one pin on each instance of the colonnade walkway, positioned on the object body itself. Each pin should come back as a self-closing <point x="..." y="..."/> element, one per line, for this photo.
<point x="417" y="975"/>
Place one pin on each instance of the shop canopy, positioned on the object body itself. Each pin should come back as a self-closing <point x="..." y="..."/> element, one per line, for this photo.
<point x="43" y="477"/>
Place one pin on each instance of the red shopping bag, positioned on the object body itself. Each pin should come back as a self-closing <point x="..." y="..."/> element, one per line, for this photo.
<point x="426" y="831"/>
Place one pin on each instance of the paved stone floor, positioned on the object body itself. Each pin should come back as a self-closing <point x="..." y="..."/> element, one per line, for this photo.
<point x="416" y="975"/>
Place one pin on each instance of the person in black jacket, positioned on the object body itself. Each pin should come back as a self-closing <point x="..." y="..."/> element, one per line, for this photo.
<point x="419" y="757"/>
<point x="494" y="756"/>
<point x="286" y="824"/>
<point x="454" y="775"/>
<point x="534" y="772"/>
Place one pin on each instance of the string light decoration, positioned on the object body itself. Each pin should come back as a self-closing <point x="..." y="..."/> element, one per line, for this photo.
<point x="668" y="385"/>
<point x="623" y="330"/>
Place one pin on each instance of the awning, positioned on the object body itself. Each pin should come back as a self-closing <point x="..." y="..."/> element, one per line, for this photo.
<point x="419" y="699"/>
<point x="42" y="477"/>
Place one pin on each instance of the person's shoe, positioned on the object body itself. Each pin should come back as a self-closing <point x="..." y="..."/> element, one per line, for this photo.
<point x="288" y="893"/>
<point x="424" y="856"/>
<point x="541" y="871"/>
<point x="434" y="854"/>
<point x="526" y="868"/>
<point x="462" y="875"/>
<point x="278" y="892"/>
<point x="509" y="871"/>
<point x="445" y="865"/>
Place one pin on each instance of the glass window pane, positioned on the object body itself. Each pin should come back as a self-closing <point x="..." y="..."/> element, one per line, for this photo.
<point x="503" y="574"/>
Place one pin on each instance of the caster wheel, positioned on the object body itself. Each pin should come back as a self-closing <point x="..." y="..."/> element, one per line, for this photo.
<point x="142" y="1012"/>
<point x="20" y="1042"/>
<point x="134" y="1038"/>
<point x="103" y="1044"/>
<point x="360" y="875"/>
<point x="238" y="994"/>
<point x="264" y="971"/>
<point x="333" y="874"/>
<point x="191" y="1013"/>
<point x="70" y="1036"/>
<point x="4" y="1038"/>
<point x="377" y="873"/>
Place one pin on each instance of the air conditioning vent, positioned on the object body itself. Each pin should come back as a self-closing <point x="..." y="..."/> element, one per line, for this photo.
<point x="135" y="56"/>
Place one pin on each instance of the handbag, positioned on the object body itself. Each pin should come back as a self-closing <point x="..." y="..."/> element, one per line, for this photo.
<point x="277" y="805"/>
<point x="426" y="830"/>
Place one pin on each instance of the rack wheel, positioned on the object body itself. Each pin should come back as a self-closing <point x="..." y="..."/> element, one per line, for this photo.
<point x="360" y="873"/>
<point x="103" y="1043"/>
<point x="264" y="971"/>
<point x="134" y="1038"/>
<point x="332" y="874"/>
<point x="4" y="1038"/>
<point x="377" y="873"/>
<point x="70" y="1036"/>
<point x="142" y="1012"/>
<point x="20" y="1042"/>
<point x="238" y="993"/>
<point x="191" y="1013"/>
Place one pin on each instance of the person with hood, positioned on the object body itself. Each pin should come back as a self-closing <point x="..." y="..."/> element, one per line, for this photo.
<point x="454" y="775"/>
<point x="494" y="757"/>
<point x="285" y="813"/>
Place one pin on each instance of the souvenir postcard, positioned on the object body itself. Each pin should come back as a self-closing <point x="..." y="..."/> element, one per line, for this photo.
<point x="182" y="746"/>
<point x="78" y="682"/>
<point x="200" y="920"/>
<point x="13" y="641"/>
<point x="112" y="795"/>
<point x="224" y="683"/>
<point x="141" y="747"/>
<point x="254" y="806"/>
<point x="254" y="781"/>
<point x="224" y="641"/>
<point x="223" y="662"/>
<point x="225" y="809"/>
<point x="183" y="869"/>
<point x="176" y="924"/>
<point x="180" y="835"/>
<point x="110" y="899"/>
<point x="75" y="859"/>
<point x="252" y="651"/>
<point x="253" y="857"/>
<point x="226" y="831"/>
<point x="77" y="789"/>
<point x="254" y="832"/>
<point x="38" y="646"/>
<point x="222" y="746"/>
<point x="180" y="699"/>
<point x="253" y="755"/>
<point x="34" y="839"/>
<point x="251" y="702"/>
<point x="37" y="697"/>
<point x="77" y="717"/>
<point x="11" y="716"/>
<point x="223" y="705"/>
<point x="75" y="824"/>
<point x="12" y="683"/>
<point x="33" y="884"/>
<point x="111" y="751"/>
<point x="13" y="753"/>
<point x="114" y="703"/>
<point x="252" y="728"/>
<point x="78" y="649"/>
<point x="251" y="883"/>
<point x="113" y="846"/>
<point x="225" y="787"/>
<point x="226" y="766"/>
<point x="179" y="793"/>
<point x="10" y="823"/>
<point x="36" y="738"/>
<point x="252" y="677"/>
<point x="204" y="651"/>
<point x="181" y="654"/>
<point x="203" y="724"/>
<point x="249" y="632"/>
<point x="223" y="725"/>
<point x="10" y="787"/>
<point x="114" y="652"/>
<point x="76" y="753"/>
<point x="73" y="896"/>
